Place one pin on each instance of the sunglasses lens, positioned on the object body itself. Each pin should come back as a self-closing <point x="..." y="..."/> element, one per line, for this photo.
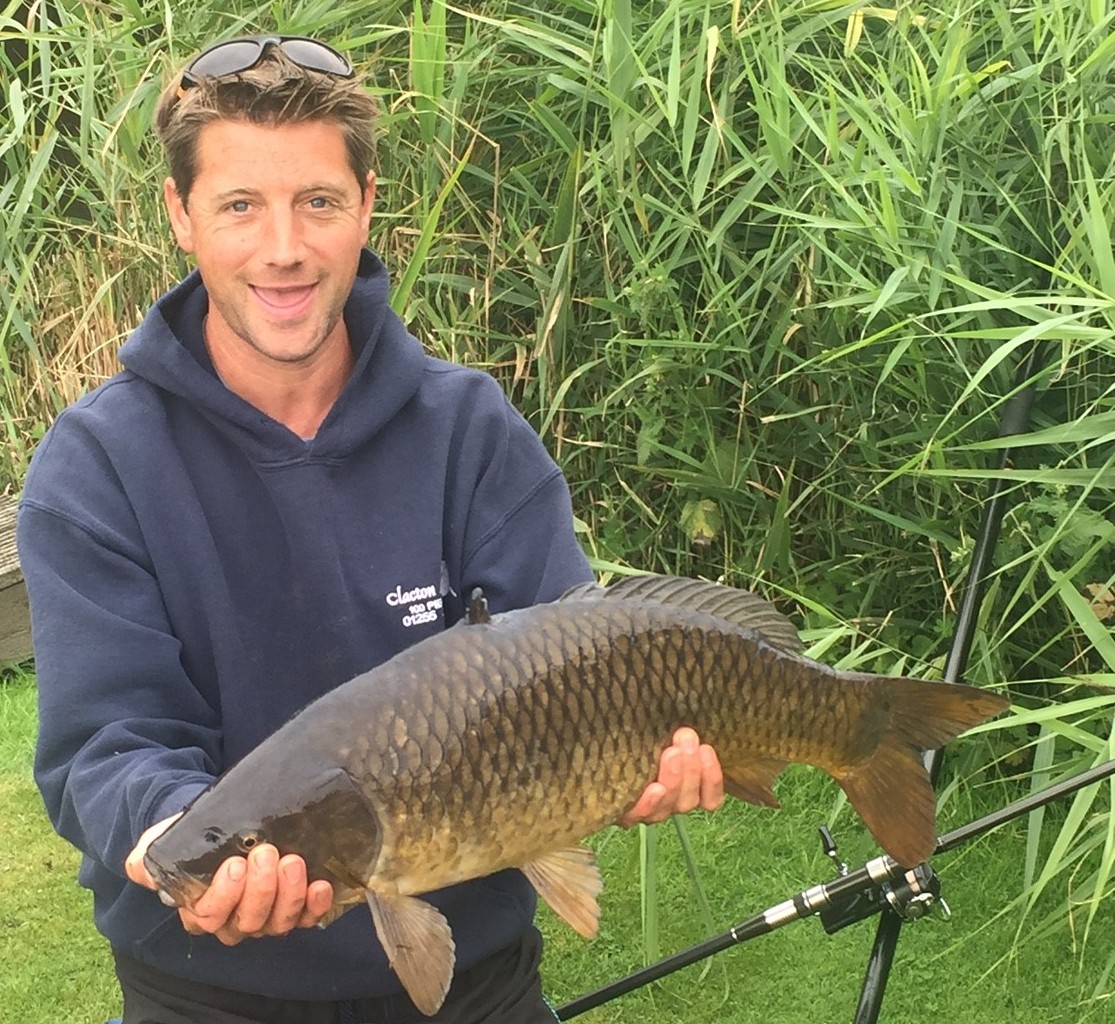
<point x="236" y="55"/>
<point x="315" y="56"/>
<point x="226" y="59"/>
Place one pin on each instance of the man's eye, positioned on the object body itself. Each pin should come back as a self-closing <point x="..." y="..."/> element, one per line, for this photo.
<point x="239" y="206"/>
<point x="320" y="203"/>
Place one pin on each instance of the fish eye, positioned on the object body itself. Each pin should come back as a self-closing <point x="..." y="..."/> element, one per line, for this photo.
<point x="247" y="841"/>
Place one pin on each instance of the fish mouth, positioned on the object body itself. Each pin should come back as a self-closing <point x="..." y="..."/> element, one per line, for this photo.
<point x="175" y="888"/>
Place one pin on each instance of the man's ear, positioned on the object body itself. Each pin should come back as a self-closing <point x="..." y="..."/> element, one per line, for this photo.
<point x="369" y="201"/>
<point x="179" y="217"/>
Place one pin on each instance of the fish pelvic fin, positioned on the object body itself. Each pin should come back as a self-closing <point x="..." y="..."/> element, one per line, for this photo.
<point x="739" y="607"/>
<point x="569" y="881"/>
<point x="753" y="780"/>
<point x="890" y="789"/>
<point x="419" y="946"/>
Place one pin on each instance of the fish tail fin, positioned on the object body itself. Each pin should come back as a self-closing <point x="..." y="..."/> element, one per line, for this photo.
<point x="890" y="787"/>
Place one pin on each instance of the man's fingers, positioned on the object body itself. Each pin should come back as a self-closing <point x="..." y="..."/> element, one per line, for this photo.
<point x="290" y="899"/>
<point x="261" y="885"/>
<point x="689" y="776"/>
<point x="319" y="898"/>
<point x="215" y="906"/>
<point x="688" y="770"/>
<point x="262" y="895"/>
<point x="134" y="867"/>
<point x="645" y="806"/>
<point x="712" y="779"/>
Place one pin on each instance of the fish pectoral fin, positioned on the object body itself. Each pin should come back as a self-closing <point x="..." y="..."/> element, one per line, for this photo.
<point x="348" y="891"/>
<point x="569" y="881"/>
<point x="419" y="946"/>
<point x="752" y="780"/>
<point x="345" y="897"/>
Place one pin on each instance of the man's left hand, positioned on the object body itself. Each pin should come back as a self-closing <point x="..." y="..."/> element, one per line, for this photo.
<point x="689" y="776"/>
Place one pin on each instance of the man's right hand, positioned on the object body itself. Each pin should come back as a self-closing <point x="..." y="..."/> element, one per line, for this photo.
<point x="261" y="894"/>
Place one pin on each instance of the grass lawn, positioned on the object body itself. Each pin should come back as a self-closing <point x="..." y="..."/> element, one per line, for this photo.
<point x="971" y="970"/>
<point x="55" y="965"/>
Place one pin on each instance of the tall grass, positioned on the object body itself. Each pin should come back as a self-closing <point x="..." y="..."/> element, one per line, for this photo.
<point x="760" y="274"/>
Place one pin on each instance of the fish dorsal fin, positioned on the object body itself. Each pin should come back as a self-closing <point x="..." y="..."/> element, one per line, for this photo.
<point x="569" y="881"/>
<point x="419" y="946"/>
<point x="740" y="607"/>
<point x="580" y="591"/>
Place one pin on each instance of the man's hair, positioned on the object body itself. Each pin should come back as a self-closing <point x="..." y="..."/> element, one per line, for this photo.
<point x="274" y="92"/>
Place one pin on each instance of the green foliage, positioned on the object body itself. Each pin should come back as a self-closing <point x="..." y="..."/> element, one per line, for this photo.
<point x="760" y="274"/>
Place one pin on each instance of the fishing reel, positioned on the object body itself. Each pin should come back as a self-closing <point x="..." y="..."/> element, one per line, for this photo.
<point x="911" y="893"/>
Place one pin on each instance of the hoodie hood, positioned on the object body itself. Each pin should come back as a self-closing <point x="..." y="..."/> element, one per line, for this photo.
<point x="168" y="351"/>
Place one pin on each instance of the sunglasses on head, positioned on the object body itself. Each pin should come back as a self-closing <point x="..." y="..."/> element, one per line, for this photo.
<point x="236" y="55"/>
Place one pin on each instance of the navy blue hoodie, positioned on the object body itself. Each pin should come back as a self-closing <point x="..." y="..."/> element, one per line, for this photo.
<point x="198" y="573"/>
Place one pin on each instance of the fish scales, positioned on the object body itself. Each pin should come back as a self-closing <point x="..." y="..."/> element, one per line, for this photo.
<point x="503" y="742"/>
<point x="566" y="754"/>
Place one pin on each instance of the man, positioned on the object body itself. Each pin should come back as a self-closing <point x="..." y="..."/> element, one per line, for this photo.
<point x="228" y="529"/>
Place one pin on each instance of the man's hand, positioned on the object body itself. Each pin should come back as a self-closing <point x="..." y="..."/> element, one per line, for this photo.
<point x="689" y="776"/>
<point x="261" y="894"/>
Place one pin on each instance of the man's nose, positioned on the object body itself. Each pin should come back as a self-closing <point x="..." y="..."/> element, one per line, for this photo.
<point x="283" y="243"/>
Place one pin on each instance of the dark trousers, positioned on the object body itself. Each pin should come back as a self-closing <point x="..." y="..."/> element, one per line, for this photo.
<point x="505" y="988"/>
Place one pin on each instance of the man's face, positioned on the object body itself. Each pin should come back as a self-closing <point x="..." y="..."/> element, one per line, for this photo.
<point x="276" y="220"/>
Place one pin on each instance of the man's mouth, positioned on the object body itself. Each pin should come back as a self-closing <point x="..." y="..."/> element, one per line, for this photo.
<point x="291" y="301"/>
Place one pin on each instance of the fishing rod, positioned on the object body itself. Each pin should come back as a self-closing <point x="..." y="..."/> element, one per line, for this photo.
<point x="882" y="885"/>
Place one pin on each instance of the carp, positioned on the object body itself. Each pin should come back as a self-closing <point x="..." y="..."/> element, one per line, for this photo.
<point x="433" y="768"/>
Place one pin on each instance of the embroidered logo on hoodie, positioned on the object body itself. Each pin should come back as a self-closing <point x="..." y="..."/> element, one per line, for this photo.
<point x="422" y="603"/>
